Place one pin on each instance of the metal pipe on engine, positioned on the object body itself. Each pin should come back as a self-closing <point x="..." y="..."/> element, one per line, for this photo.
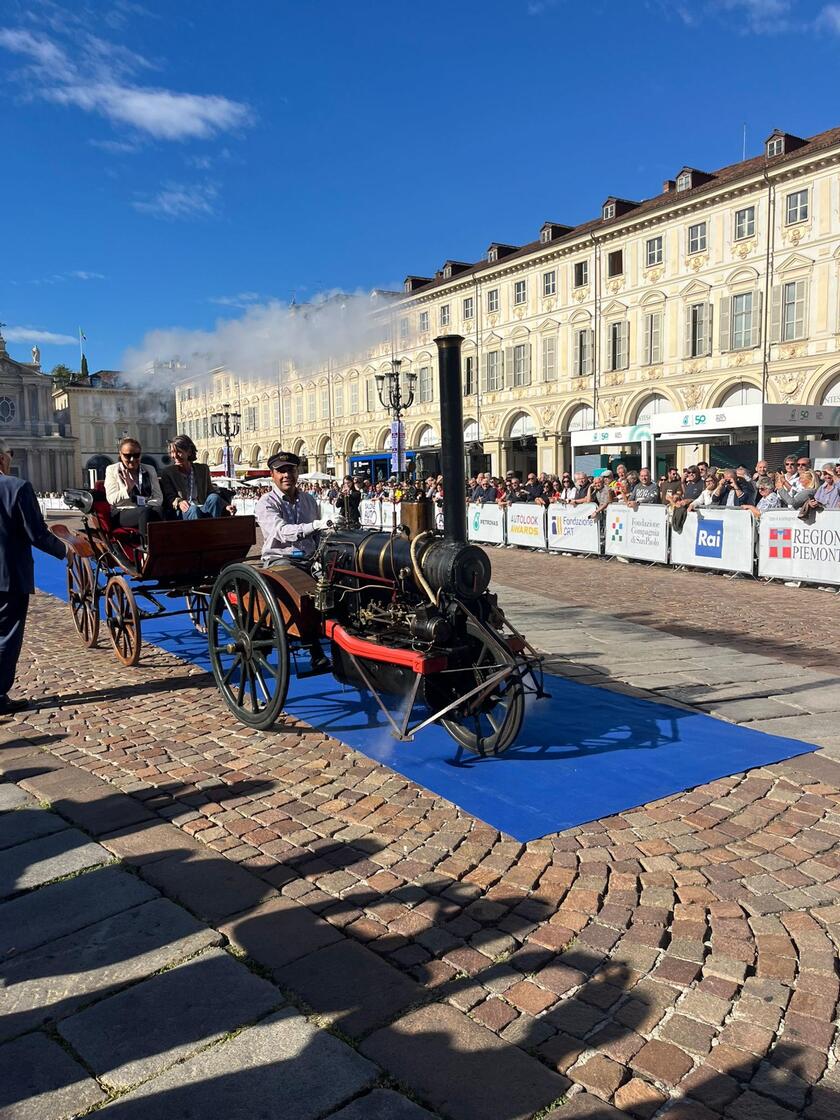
<point x="452" y="438"/>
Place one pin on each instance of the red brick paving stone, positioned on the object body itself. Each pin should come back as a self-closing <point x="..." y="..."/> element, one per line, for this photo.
<point x="583" y="1106"/>
<point x="752" y="1106"/>
<point x="690" y="1110"/>
<point x="461" y="1069"/>
<point x="350" y="986"/>
<point x="494" y="1013"/>
<point x="528" y="997"/>
<point x="711" y="1088"/>
<point x="599" y="1075"/>
<point x="690" y="1035"/>
<point x="663" y="1062"/>
<point x="639" y="1098"/>
<point x="561" y="1052"/>
<point x="677" y="971"/>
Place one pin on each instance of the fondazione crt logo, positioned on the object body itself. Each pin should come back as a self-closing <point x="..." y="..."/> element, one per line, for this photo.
<point x="709" y="538"/>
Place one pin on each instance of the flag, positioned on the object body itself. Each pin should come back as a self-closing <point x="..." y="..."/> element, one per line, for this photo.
<point x="82" y="335"/>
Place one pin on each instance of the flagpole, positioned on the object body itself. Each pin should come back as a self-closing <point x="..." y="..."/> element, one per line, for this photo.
<point x="81" y="351"/>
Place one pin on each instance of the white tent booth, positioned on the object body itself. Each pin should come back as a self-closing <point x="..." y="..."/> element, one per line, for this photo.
<point x="589" y="444"/>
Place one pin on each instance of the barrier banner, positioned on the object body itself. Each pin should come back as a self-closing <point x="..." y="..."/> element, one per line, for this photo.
<point x="526" y="525"/>
<point x="638" y="534"/>
<point x="370" y="514"/>
<point x="390" y="515"/>
<point x="791" y="549"/>
<point x="718" y="538"/>
<point x="245" y="507"/>
<point x="570" y="528"/>
<point x="485" y="523"/>
<point x="326" y="510"/>
<point x="439" y="518"/>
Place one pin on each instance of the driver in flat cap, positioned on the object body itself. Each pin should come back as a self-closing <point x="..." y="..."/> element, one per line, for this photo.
<point x="289" y="519"/>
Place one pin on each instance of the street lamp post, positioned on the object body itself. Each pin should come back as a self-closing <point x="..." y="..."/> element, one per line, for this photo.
<point x="389" y="389"/>
<point x="225" y="425"/>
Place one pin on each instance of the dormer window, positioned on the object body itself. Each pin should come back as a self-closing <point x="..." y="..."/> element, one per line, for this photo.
<point x="775" y="146"/>
<point x="608" y="211"/>
<point x="545" y="235"/>
<point x="684" y="181"/>
<point x="492" y="254"/>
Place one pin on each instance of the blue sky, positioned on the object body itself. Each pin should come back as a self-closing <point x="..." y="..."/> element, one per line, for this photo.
<point x="166" y="165"/>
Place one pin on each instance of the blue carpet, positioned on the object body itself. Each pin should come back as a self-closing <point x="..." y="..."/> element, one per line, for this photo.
<point x="585" y="753"/>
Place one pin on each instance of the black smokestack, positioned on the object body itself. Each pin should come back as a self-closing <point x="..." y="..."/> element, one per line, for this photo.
<point x="452" y="437"/>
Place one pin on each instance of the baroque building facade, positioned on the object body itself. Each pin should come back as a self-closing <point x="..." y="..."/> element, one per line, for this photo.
<point x="722" y="289"/>
<point x="43" y="451"/>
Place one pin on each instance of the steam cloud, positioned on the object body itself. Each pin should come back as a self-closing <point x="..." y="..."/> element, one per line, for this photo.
<point x="258" y="344"/>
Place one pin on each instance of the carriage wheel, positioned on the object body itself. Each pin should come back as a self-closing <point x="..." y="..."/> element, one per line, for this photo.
<point x="83" y="598"/>
<point x="247" y="643"/>
<point x="490" y="725"/>
<point x="123" y="620"/>
<point x="197" y="603"/>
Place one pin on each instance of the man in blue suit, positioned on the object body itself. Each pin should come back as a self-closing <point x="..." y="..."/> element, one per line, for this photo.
<point x="21" y="526"/>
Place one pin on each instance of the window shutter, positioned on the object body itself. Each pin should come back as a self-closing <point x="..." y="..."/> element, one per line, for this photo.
<point x="802" y="307"/>
<point x="528" y="354"/>
<point x="725" y="319"/>
<point x="709" y="324"/>
<point x="625" y="344"/>
<point x="755" y="323"/>
<point x="590" y="349"/>
<point x="659" y="337"/>
<point x="776" y="313"/>
<point x="507" y="367"/>
<point x="482" y="372"/>
<point x="687" y="335"/>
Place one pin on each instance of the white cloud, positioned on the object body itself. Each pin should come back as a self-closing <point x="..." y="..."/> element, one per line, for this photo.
<point x="95" y="79"/>
<point x="80" y="274"/>
<point x="47" y="338"/>
<point x="829" y="19"/>
<point x="179" y="200"/>
<point x="242" y="300"/>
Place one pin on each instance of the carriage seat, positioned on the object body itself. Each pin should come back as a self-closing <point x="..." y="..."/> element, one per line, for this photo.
<point x="129" y="538"/>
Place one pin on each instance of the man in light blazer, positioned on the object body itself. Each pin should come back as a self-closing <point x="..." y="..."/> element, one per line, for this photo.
<point x="188" y="490"/>
<point x="21" y="526"/>
<point x="133" y="489"/>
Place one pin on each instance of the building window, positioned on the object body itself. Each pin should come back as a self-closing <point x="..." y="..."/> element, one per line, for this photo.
<point x="549" y="284"/>
<point x="494" y="371"/>
<point x="581" y="274"/>
<point x="354" y="398"/>
<point x="519" y="293"/>
<point x="615" y="262"/>
<point x="521" y="364"/>
<point x="424" y="383"/>
<point x="469" y="376"/>
<point x="617" y="334"/>
<point x="287" y="411"/>
<point x="744" y="223"/>
<point x="796" y="207"/>
<point x="469" y="307"/>
<point x="793" y="310"/>
<point x="325" y="402"/>
<point x="742" y="321"/>
<point x="653" y="338"/>
<point x="299" y="408"/>
<point x="698" y="330"/>
<point x="250" y="419"/>
<point x="403" y="329"/>
<point x="311" y="413"/>
<point x="338" y="398"/>
<point x="653" y="252"/>
<point x="684" y="181"/>
<point x="697" y="238"/>
<point x="444" y="315"/>
<point x="493" y="300"/>
<point x="549" y="358"/>
<point x="582" y="363"/>
<point x="98" y="437"/>
<point x="424" y="322"/>
<point x="775" y="146"/>
<point x="8" y="410"/>
<point x="609" y="211"/>
<point x="371" y="395"/>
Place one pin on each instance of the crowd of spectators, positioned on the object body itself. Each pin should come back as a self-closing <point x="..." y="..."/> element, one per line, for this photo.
<point x="796" y="485"/>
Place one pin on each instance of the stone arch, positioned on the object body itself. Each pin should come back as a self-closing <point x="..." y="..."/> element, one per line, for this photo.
<point x="652" y="299"/>
<point x="321" y="445"/>
<point x="518" y="423"/>
<point x="647" y="404"/>
<point x="519" y="332"/>
<point x="471" y="432"/>
<point x="580" y="318"/>
<point x="237" y="454"/>
<point x="353" y="443"/>
<point x="743" y="275"/>
<point x="204" y="457"/>
<point x="220" y="456"/>
<point x="424" y="436"/>
<point x="736" y="392"/>
<point x="275" y="447"/>
<point x="823" y="385"/>
<point x="383" y="440"/>
<point x="254" y="458"/>
<point x="579" y="417"/>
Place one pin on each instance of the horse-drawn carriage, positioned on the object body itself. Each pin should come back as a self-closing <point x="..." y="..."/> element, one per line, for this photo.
<point x="406" y="615"/>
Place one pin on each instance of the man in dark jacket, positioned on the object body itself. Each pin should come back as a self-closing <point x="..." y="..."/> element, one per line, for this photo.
<point x="21" y="526"/>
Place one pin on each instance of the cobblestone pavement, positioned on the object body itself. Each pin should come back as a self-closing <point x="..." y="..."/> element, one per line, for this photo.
<point x="678" y="960"/>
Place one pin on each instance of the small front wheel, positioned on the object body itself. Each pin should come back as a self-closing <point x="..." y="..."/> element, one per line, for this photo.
<point x="247" y="644"/>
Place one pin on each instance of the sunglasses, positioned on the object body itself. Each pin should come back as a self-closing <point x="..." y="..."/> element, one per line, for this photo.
<point x="130" y="454"/>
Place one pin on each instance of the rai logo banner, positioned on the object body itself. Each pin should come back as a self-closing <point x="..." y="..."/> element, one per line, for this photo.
<point x="779" y="545"/>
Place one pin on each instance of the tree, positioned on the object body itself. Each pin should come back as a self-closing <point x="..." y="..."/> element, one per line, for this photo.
<point x="63" y="375"/>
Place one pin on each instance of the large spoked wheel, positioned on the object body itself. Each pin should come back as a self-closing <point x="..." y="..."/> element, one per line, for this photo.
<point x="248" y="649"/>
<point x="197" y="604"/>
<point x="83" y="599"/>
<point x="489" y="722"/>
<point x="123" y="620"/>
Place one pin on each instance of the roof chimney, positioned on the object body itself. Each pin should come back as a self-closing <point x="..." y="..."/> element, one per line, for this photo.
<point x="668" y="185"/>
